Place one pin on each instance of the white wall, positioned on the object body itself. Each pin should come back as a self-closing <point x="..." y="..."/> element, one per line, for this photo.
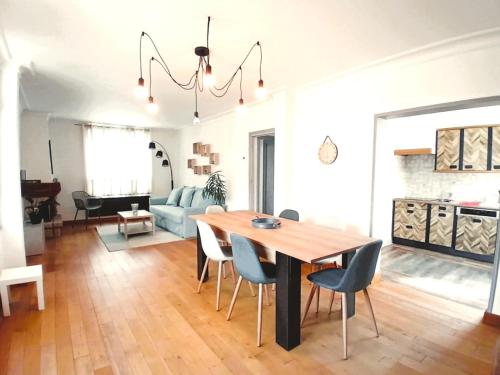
<point x="228" y="135"/>
<point x="35" y="157"/>
<point x="343" y="108"/>
<point x="12" y="253"/>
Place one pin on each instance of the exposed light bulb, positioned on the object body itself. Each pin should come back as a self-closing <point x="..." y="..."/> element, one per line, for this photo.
<point x="152" y="106"/>
<point x="242" y="108"/>
<point x="140" y="91"/>
<point x="261" y="91"/>
<point x="208" y="78"/>
<point x="196" y="118"/>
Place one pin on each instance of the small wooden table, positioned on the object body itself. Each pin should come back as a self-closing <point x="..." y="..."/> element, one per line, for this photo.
<point x="293" y="243"/>
<point x="142" y="215"/>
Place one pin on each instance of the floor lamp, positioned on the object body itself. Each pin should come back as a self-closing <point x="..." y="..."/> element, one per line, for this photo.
<point x="165" y="162"/>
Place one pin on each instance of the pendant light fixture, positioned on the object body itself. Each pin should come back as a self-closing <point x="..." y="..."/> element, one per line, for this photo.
<point x="202" y="79"/>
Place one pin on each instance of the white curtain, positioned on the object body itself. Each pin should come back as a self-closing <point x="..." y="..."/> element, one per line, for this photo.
<point x="117" y="160"/>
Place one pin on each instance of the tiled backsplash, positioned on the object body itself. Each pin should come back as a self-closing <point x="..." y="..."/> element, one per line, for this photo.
<point x="420" y="180"/>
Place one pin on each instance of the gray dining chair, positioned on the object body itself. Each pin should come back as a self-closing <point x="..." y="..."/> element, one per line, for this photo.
<point x="358" y="276"/>
<point x="250" y="268"/>
<point x="86" y="202"/>
<point x="290" y="215"/>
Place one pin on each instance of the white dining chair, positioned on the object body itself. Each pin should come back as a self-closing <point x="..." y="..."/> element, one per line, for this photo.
<point x="215" y="209"/>
<point x="215" y="252"/>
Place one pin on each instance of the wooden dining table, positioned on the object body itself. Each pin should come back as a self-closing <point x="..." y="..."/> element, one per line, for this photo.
<point x="294" y="242"/>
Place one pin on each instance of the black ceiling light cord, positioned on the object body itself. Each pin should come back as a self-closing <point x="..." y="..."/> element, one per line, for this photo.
<point x="203" y="75"/>
<point x="165" y="162"/>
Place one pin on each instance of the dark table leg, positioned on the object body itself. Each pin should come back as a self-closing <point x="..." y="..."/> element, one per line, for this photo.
<point x="287" y="301"/>
<point x="351" y="297"/>
<point x="200" y="256"/>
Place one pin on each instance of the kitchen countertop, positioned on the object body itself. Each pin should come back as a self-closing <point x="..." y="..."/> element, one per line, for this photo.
<point x="483" y="205"/>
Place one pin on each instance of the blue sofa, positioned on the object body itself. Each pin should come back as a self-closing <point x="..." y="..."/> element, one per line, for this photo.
<point x="176" y="219"/>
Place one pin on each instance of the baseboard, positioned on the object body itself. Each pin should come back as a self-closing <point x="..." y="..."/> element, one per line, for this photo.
<point x="491" y="319"/>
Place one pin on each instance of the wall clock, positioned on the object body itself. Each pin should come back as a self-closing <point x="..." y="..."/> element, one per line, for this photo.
<point x="328" y="151"/>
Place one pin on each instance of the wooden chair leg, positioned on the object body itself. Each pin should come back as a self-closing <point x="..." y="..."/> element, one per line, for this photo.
<point x="331" y="301"/>
<point x="308" y="304"/>
<point x="219" y="280"/>
<point x="233" y="274"/>
<point x="259" y="318"/>
<point x="344" y="322"/>
<point x="274" y="287"/>
<point x="233" y="300"/>
<point x="367" y="296"/>
<point x="268" y="300"/>
<point x="224" y="275"/>
<point x="317" y="300"/>
<point x="251" y="289"/>
<point x="205" y="267"/>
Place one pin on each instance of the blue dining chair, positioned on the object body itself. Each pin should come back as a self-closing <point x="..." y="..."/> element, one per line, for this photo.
<point x="290" y="215"/>
<point x="358" y="276"/>
<point x="250" y="268"/>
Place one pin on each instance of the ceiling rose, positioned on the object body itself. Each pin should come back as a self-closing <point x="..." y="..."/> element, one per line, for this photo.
<point x="202" y="79"/>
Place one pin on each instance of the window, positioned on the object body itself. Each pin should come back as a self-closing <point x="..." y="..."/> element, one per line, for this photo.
<point x="117" y="160"/>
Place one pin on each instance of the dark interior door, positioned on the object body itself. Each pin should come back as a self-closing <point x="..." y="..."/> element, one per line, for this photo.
<point x="268" y="175"/>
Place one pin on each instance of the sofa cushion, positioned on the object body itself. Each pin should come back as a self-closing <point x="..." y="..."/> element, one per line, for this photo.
<point x="187" y="197"/>
<point x="198" y="200"/>
<point x="174" y="196"/>
<point x="170" y="213"/>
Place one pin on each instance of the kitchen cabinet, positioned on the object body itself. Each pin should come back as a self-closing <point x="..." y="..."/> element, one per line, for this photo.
<point x="476" y="233"/>
<point x="495" y="148"/>
<point x="475" y="149"/>
<point x="441" y="225"/>
<point x="448" y="150"/>
<point x="410" y="220"/>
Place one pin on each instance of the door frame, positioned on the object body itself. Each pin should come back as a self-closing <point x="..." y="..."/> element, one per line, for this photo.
<point x="254" y="167"/>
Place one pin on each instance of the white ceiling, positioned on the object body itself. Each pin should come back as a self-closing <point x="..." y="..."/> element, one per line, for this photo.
<point x="84" y="53"/>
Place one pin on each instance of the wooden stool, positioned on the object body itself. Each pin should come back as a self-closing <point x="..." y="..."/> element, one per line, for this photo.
<point x="20" y="275"/>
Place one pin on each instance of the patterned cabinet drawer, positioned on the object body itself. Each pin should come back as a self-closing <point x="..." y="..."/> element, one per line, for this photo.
<point x="410" y="205"/>
<point x="476" y="234"/>
<point x="441" y="229"/>
<point x="410" y="223"/>
<point x="475" y="157"/>
<point x="495" y="149"/>
<point x="412" y="232"/>
<point x="448" y="150"/>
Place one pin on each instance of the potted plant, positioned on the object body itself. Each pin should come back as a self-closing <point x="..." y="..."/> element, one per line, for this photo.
<point x="215" y="188"/>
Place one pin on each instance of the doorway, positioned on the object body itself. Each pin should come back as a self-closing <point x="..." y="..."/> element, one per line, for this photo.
<point x="262" y="171"/>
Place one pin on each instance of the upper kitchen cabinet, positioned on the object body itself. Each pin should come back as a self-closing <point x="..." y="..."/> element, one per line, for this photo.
<point x="469" y="149"/>
<point x="475" y="153"/>
<point x="448" y="150"/>
<point x="495" y="148"/>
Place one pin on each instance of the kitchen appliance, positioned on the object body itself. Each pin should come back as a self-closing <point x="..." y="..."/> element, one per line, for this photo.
<point x="476" y="231"/>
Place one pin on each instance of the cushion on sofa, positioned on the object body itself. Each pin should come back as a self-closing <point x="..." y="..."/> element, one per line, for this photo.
<point x="186" y="197"/>
<point x="199" y="201"/>
<point x="174" y="196"/>
<point x="171" y="213"/>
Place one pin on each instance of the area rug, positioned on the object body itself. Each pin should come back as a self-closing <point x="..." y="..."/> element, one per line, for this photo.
<point x="115" y="241"/>
<point x="453" y="278"/>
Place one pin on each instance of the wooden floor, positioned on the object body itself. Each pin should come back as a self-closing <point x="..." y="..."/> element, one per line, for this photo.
<point x="136" y="312"/>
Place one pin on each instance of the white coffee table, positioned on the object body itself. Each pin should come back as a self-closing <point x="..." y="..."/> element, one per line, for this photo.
<point x="147" y="218"/>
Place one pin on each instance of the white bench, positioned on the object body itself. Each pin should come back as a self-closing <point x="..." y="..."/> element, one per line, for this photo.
<point x="20" y="275"/>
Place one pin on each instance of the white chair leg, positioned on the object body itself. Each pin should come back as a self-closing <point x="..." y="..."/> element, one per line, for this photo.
<point x="367" y="296"/>
<point x="259" y="318"/>
<point x="205" y="267"/>
<point x="39" y="293"/>
<point x="219" y="280"/>
<point x="308" y="304"/>
<point x="344" y="322"/>
<point x="268" y="300"/>
<point x="233" y="300"/>
<point x="251" y="289"/>
<point x="4" y="295"/>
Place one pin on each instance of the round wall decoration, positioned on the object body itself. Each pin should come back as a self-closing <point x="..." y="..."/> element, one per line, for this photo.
<point x="328" y="151"/>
